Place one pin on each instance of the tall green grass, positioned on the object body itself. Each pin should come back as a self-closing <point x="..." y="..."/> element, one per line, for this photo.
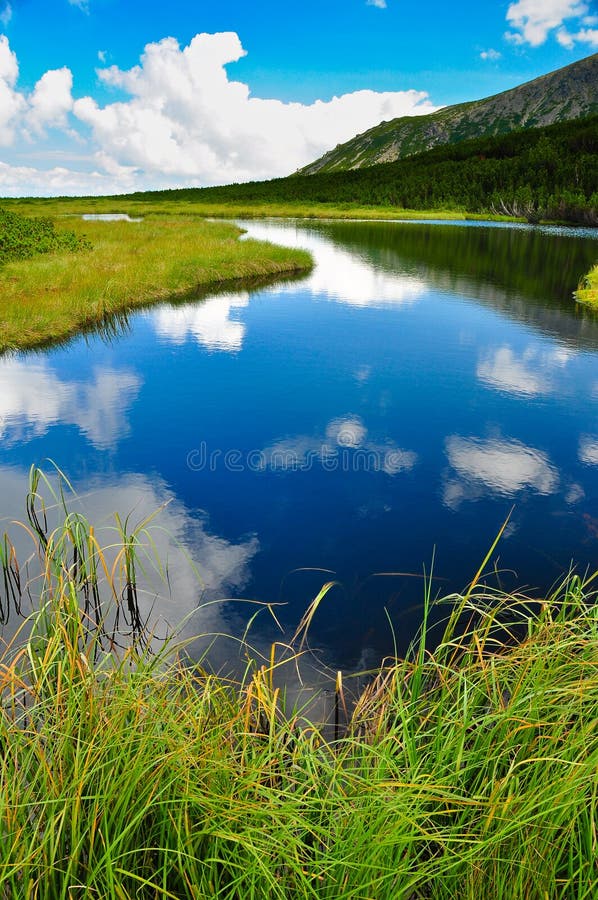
<point x="466" y="772"/>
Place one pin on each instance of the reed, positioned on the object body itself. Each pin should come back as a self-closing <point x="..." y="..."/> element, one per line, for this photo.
<point x="469" y="771"/>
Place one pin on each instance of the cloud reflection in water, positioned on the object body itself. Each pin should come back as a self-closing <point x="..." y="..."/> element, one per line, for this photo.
<point x="208" y="322"/>
<point x="33" y="398"/>
<point x="498" y="467"/>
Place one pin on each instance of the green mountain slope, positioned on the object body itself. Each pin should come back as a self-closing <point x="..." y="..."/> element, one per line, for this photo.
<point x="566" y="94"/>
<point x="538" y="173"/>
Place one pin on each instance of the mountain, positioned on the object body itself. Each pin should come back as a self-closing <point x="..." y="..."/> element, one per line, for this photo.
<point x="568" y="93"/>
<point x="549" y="172"/>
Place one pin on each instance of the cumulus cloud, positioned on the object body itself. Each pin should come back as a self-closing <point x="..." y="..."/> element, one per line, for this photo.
<point x="51" y="100"/>
<point x="532" y="21"/>
<point x="587" y="36"/>
<point x="490" y="54"/>
<point x="379" y="4"/>
<point x="186" y="117"/>
<point x="12" y="104"/>
<point x="103" y="178"/>
<point x="185" y="121"/>
<point x="47" y="106"/>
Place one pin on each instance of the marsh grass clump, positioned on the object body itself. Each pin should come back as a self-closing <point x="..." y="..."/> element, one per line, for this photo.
<point x="588" y="289"/>
<point x="466" y="772"/>
<point x="22" y="237"/>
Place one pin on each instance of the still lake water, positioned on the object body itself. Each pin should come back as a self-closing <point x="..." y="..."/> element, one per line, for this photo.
<point x="397" y="402"/>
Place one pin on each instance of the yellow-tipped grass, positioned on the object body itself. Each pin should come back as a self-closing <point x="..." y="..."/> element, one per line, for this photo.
<point x="468" y="770"/>
<point x="588" y="289"/>
<point x="53" y="296"/>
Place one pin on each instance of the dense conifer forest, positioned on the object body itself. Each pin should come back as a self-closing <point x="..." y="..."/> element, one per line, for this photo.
<point x="541" y="173"/>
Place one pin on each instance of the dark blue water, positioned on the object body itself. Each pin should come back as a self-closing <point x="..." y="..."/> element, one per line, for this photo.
<point x="394" y="406"/>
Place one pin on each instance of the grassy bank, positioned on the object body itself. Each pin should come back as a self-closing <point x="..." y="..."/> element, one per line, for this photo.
<point x="465" y="773"/>
<point x="588" y="292"/>
<point x="53" y="296"/>
<point x="165" y="205"/>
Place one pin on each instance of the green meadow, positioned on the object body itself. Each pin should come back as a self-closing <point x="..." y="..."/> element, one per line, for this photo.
<point x="88" y="272"/>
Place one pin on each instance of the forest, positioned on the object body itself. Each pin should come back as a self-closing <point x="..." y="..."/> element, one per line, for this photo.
<point x="541" y="173"/>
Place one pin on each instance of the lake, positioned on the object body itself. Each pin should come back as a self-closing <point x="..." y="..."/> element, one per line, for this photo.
<point x="379" y="417"/>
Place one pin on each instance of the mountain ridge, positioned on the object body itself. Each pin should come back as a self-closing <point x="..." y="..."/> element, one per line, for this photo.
<point x="562" y="95"/>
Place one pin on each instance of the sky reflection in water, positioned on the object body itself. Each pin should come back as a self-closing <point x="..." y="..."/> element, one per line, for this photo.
<point x="420" y="383"/>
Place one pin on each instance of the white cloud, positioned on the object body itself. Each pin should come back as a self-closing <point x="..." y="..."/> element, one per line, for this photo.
<point x="187" y="118"/>
<point x="379" y="4"/>
<point x="12" y="103"/>
<point x="6" y="14"/>
<point x="46" y="106"/>
<point x="33" y="398"/>
<point x="490" y="54"/>
<point x="102" y="56"/>
<point x="51" y="100"/>
<point x="503" y="467"/>
<point x="185" y="122"/>
<point x="9" y="67"/>
<point x="18" y="181"/>
<point x="584" y="36"/>
<point x="533" y="20"/>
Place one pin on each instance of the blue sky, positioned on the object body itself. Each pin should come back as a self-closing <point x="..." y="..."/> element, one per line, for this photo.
<point x="101" y="95"/>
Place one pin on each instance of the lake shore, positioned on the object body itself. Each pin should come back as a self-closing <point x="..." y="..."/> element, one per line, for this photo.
<point x="53" y="296"/>
<point x="172" y="253"/>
